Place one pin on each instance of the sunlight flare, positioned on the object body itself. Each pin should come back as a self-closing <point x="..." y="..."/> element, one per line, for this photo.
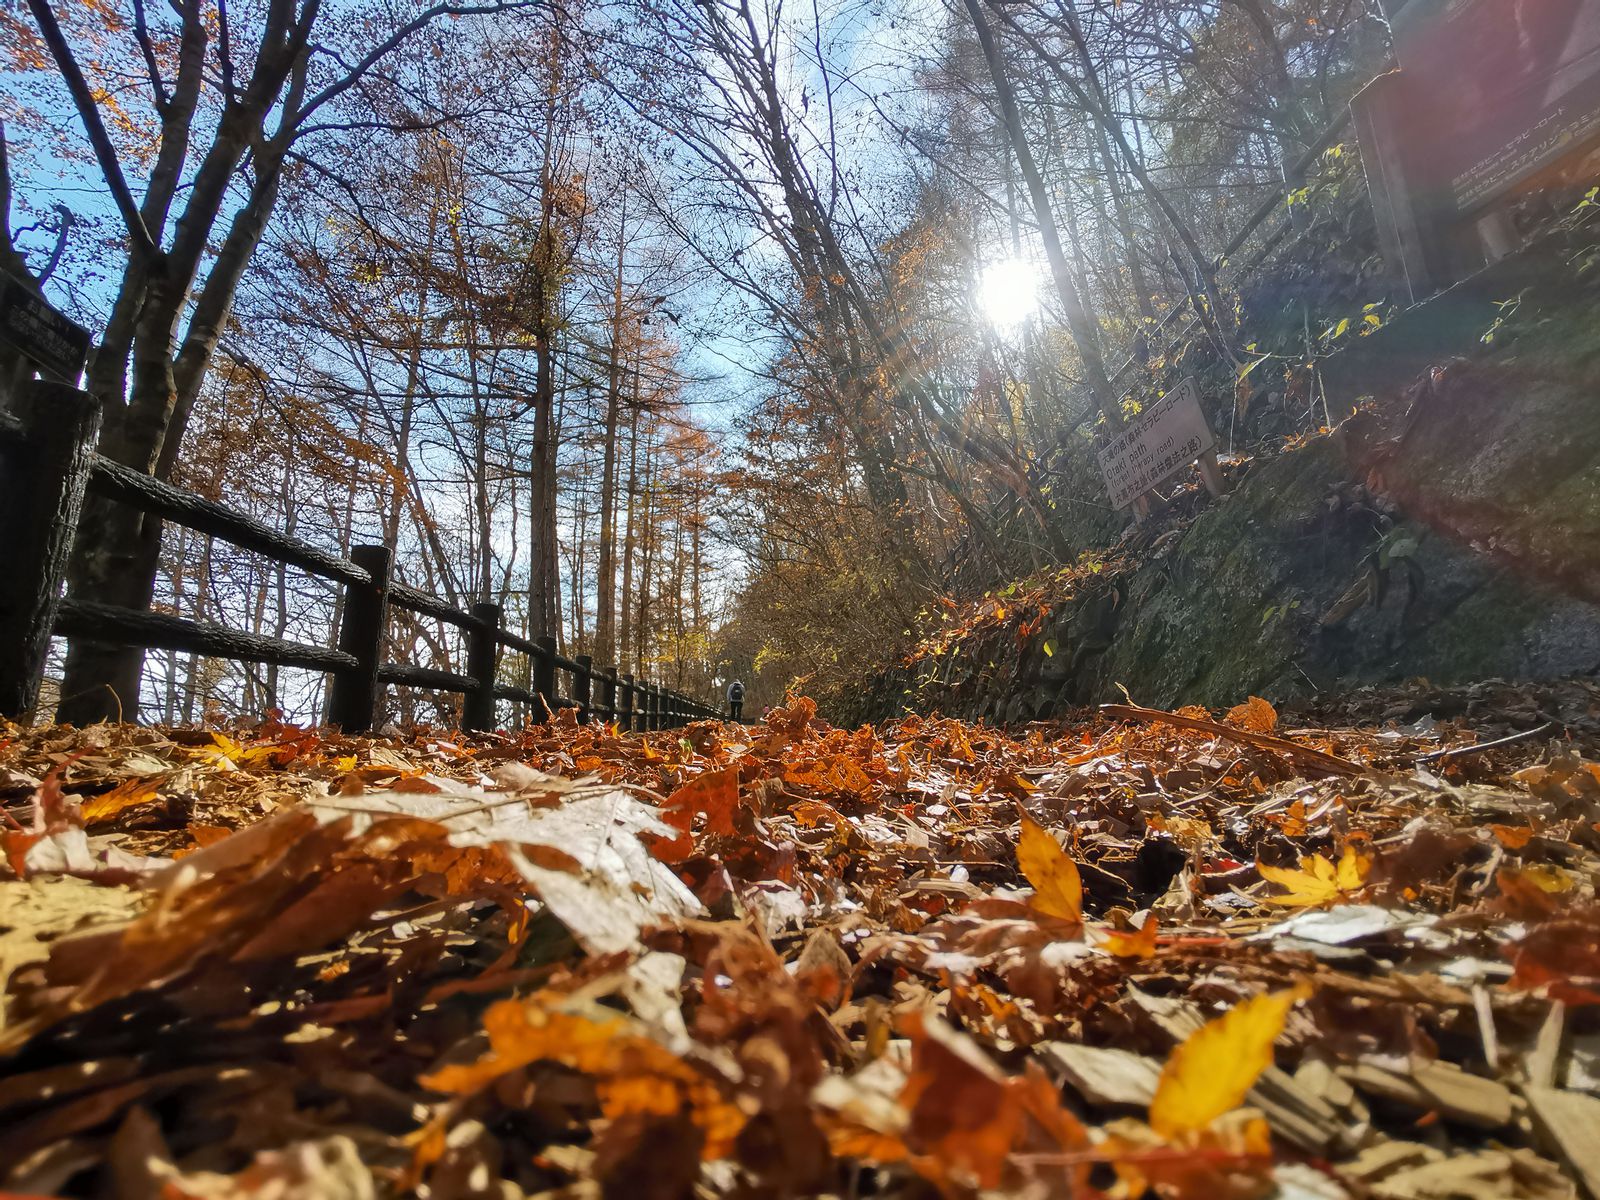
<point x="1007" y="293"/>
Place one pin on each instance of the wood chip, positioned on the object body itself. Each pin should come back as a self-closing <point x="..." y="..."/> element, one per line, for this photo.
<point x="1297" y="1114"/>
<point x="1178" y="1018"/>
<point x="1569" y="1125"/>
<point x="1316" y="1076"/>
<point x="1438" y="1087"/>
<point x="1485" y="1175"/>
<point x="1546" y="1053"/>
<point x="1109" y="1078"/>
<point x="1483" y="1007"/>
<point x="1386" y="1158"/>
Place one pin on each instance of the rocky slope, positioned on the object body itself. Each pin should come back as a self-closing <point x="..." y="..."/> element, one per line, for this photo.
<point x="1448" y="528"/>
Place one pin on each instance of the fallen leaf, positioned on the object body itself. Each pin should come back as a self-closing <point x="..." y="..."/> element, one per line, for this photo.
<point x="634" y="1074"/>
<point x="714" y="794"/>
<point x="127" y="794"/>
<point x="1512" y="837"/>
<point x="1057" y="889"/>
<point x="1318" y="881"/>
<point x="1255" y="714"/>
<point x="1124" y="943"/>
<point x="1217" y="1065"/>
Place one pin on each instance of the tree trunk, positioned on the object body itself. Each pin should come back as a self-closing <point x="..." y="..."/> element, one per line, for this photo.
<point x="1080" y="323"/>
<point x="606" y="571"/>
<point x="118" y="549"/>
<point x="625" y="651"/>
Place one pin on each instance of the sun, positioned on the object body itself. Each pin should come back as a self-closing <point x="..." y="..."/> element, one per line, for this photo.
<point x="1007" y="292"/>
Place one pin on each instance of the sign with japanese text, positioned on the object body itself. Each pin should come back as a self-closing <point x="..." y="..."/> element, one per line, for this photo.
<point x="57" y="345"/>
<point x="1164" y="439"/>
<point x="1496" y="89"/>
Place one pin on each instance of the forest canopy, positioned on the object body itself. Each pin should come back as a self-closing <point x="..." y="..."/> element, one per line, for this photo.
<point x="715" y="338"/>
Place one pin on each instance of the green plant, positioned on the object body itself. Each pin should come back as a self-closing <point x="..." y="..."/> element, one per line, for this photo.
<point x="1507" y="310"/>
<point x="1277" y="614"/>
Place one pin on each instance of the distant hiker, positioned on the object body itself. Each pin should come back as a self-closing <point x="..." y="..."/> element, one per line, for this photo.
<point x="735" y="700"/>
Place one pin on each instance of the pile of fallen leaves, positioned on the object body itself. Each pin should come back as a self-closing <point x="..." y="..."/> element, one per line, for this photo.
<point x="1020" y="609"/>
<point x="1143" y="953"/>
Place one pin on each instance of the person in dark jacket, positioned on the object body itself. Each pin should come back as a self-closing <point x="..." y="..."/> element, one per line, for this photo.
<point x="735" y="700"/>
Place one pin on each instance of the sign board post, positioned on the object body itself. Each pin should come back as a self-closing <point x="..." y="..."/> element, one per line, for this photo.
<point x="1163" y="440"/>
<point x="1493" y="97"/>
<point x="56" y="345"/>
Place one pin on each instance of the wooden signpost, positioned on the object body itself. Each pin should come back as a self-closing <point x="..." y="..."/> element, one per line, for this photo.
<point x="1163" y="440"/>
<point x="1493" y="98"/>
<point x="56" y="345"/>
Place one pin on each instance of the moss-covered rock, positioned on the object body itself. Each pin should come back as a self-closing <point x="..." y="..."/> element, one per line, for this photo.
<point x="1449" y="530"/>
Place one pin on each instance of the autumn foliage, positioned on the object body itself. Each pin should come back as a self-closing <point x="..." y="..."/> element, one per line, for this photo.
<point x="1121" y="957"/>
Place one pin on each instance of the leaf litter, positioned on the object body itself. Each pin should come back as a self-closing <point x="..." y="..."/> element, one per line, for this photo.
<point x="1353" y="952"/>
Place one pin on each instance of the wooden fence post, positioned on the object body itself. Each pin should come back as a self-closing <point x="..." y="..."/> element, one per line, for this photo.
<point x="655" y="706"/>
<point x="544" y="675"/>
<point x="353" y="694"/>
<point x="44" y="474"/>
<point x="582" y="686"/>
<point x="608" y="693"/>
<point x="483" y="661"/>
<point x="625" y="712"/>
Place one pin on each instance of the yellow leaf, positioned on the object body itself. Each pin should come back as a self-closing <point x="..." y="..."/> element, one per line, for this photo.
<point x="1138" y="943"/>
<point x="127" y="794"/>
<point x="1318" y="881"/>
<point x="1550" y="880"/>
<point x="1057" y="890"/>
<point x="1353" y="868"/>
<point x="256" y="754"/>
<point x="1219" y="1063"/>
<point x="223" y="752"/>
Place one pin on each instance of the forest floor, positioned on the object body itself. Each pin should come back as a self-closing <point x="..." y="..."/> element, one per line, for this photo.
<point x="1353" y="952"/>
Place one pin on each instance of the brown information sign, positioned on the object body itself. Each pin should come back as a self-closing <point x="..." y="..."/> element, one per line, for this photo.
<point x="1163" y="440"/>
<point x="1492" y="98"/>
<point x="1498" y="90"/>
<point x="57" y="345"/>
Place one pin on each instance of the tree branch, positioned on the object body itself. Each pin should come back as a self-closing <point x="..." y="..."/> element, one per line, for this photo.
<point x="83" y="98"/>
<point x="396" y="39"/>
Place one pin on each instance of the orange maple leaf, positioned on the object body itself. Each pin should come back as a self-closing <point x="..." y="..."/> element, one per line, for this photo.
<point x="1255" y="714"/>
<point x="1135" y="943"/>
<point x="713" y="793"/>
<point x="1057" y="889"/>
<point x="633" y="1073"/>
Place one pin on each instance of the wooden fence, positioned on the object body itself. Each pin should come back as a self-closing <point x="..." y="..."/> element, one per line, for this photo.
<point x="47" y="463"/>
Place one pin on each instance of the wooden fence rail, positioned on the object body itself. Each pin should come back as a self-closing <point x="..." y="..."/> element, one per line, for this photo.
<point x="47" y="463"/>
